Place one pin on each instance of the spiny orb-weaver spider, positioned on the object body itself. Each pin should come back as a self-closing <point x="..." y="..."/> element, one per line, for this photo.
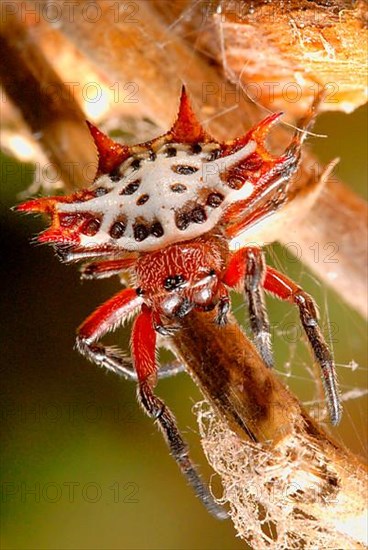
<point x="165" y="211"/>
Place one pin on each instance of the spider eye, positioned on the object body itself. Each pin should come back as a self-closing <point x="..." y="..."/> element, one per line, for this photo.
<point x="173" y="282"/>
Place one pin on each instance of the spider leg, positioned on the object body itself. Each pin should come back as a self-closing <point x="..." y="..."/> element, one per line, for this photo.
<point x="161" y="328"/>
<point x="170" y="369"/>
<point x="247" y="267"/>
<point x="285" y="289"/>
<point x="143" y="345"/>
<point x="254" y="274"/>
<point x="107" y="317"/>
<point x="107" y="268"/>
<point x="223" y="306"/>
<point x="70" y="253"/>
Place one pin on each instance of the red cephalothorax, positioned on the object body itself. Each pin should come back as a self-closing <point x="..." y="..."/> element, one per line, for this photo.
<point x="165" y="211"/>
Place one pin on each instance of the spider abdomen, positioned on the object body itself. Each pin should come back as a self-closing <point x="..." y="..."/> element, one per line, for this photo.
<point x="154" y="200"/>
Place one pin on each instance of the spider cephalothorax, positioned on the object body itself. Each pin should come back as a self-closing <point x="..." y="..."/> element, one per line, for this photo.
<point x="166" y="211"/>
<point x="183" y="276"/>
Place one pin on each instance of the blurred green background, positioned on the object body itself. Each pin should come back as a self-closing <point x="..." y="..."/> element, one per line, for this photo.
<point x="82" y="467"/>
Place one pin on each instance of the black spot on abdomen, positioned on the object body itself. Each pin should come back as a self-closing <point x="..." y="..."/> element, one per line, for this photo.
<point x="182" y="220"/>
<point x="178" y="188"/>
<point x="141" y="232"/>
<point x="90" y="227"/>
<point x="171" y="152"/>
<point x="198" y="214"/>
<point x="136" y="164"/>
<point x="196" y="149"/>
<point x="184" y="169"/>
<point x="142" y="199"/>
<point x="115" y="175"/>
<point x="117" y="229"/>
<point x="157" y="230"/>
<point x="214" y="200"/>
<point x="131" y="187"/>
<point x="100" y="191"/>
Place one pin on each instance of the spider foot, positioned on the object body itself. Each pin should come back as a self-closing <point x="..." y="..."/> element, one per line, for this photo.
<point x="170" y="369"/>
<point x="109" y="357"/>
<point x="156" y="409"/>
<point x="332" y="392"/>
<point x="308" y="317"/>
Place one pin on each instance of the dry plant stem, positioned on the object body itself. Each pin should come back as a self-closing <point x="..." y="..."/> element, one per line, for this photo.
<point x="259" y="408"/>
<point x="46" y="104"/>
<point x="300" y="45"/>
<point x="136" y="50"/>
<point x="274" y="47"/>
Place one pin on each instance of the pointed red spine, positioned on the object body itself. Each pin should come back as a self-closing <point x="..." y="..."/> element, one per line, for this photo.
<point x="110" y="153"/>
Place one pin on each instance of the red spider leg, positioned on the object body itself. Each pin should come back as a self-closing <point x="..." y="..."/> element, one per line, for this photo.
<point x="106" y="318"/>
<point x="247" y="268"/>
<point x="107" y="268"/>
<point x="171" y="368"/>
<point x="285" y="289"/>
<point x="143" y="345"/>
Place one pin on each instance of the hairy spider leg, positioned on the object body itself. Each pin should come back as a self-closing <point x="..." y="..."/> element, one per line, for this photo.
<point x="247" y="268"/>
<point x="281" y="286"/>
<point x="70" y="254"/>
<point x="107" y="317"/>
<point x="143" y="345"/>
<point x="107" y="268"/>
